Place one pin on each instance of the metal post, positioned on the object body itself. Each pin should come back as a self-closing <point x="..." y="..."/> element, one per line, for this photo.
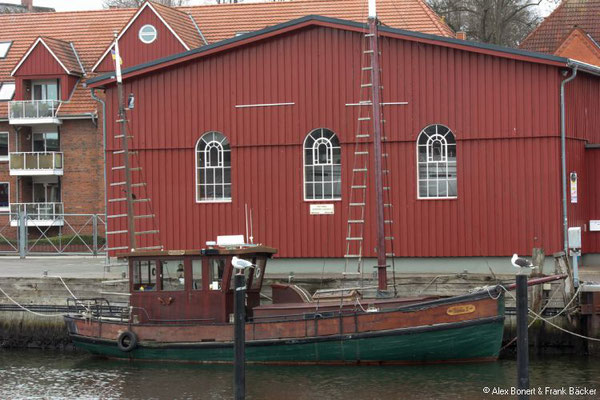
<point x="95" y="234"/>
<point x="522" y="338"/>
<point x="22" y="215"/>
<point x="380" y="219"/>
<point x="239" y="357"/>
<point x="576" y="253"/>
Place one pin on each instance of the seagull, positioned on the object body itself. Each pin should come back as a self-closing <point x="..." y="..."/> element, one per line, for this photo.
<point x="521" y="262"/>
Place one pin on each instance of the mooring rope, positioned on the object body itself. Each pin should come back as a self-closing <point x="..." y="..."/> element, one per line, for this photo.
<point x="550" y="322"/>
<point x="28" y="310"/>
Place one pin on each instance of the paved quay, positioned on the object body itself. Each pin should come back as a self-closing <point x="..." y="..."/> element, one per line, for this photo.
<point x="63" y="266"/>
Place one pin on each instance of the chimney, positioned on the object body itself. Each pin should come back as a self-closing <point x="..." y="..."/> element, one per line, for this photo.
<point x="28" y="4"/>
<point x="461" y="35"/>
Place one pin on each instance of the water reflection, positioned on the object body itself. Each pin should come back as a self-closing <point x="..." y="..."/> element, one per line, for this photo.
<point x="49" y="374"/>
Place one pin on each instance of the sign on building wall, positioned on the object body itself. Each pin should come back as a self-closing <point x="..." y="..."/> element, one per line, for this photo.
<point x="573" y="180"/>
<point x="321" y="209"/>
<point x="595" y="225"/>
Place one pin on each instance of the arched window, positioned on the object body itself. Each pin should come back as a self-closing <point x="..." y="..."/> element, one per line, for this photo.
<point x="436" y="159"/>
<point x="213" y="168"/>
<point x="322" y="166"/>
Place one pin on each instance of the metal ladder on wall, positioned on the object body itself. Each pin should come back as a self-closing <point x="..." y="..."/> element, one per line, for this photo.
<point x="359" y="193"/>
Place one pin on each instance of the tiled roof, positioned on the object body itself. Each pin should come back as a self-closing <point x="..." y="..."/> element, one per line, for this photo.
<point x="181" y="23"/>
<point x="551" y="33"/>
<point x="223" y="21"/>
<point x="91" y="32"/>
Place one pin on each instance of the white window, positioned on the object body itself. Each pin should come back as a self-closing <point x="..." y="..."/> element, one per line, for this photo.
<point x="147" y="34"/>
<point x="213" y="168"/>
<point x="3" y="146"/>
<point x="45" y="90"/>
<point x="4" y="46"/>
<point x="4" y="196"/>
<point x="322" y="166"/>
<point x="7" y="90"/>
<point x="436" y="159"/>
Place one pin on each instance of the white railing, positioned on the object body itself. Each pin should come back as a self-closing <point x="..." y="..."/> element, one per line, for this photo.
<point x="33" y="109"/>
<point x="22" y="163"/>
<point x="37" y="212"/>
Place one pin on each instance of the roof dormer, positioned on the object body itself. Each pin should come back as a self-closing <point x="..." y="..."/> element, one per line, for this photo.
<point x="49" y="56"/>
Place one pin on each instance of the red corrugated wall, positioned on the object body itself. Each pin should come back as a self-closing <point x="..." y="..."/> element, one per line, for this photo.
<point x="592" y="239"/>
<point x="134" y="51"/>
<point x="504" y="113"/>
<point x="40" y="62"/>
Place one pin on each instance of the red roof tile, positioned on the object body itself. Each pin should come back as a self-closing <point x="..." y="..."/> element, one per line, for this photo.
<point x="550" y="34"/>
<point x="91" y="32"/>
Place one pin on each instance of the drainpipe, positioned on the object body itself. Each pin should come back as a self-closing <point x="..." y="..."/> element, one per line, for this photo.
<point x="99" y="100"/>
<point x="563" y="156"/>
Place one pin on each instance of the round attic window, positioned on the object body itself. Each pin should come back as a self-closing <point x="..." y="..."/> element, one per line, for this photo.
<point x="147" y="34"/>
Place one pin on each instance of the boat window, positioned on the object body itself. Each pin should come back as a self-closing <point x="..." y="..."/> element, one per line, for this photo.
<point x="258" y="273"/>
<point x="217" y="269"/>
<point x="173" y="275"/>
<point x="144" y="275"/>
<point x="197" y="274"/>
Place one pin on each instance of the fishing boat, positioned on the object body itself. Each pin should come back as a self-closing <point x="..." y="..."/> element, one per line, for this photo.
<point x="181" y="303"/>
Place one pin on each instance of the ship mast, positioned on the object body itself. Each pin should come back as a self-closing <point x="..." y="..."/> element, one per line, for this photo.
<point x="378" y="171"/>
<point x="125" y="148"/>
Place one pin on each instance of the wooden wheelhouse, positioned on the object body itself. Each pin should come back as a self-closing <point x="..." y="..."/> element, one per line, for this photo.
<point x="191" y="286"/>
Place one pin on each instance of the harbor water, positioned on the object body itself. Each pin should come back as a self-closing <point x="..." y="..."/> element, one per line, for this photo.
<point x="42" y="374"/>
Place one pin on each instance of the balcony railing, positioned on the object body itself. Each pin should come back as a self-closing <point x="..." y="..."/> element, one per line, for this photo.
<point x="37" y="214"/>
<point x="36" y="163"/>
<point x="33" y="112"/>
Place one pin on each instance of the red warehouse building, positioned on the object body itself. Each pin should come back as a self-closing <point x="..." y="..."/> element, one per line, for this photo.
<point x="474" y="153"/>
<point x="51" y="125"/>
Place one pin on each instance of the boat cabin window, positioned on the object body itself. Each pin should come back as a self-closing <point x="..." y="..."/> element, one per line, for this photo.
<point x="197" y="274"/>
<point x="172" y="275"/>
<point x="258" y="273"/>
<point x="144" y="275"/>
<point x="216" y="269"/>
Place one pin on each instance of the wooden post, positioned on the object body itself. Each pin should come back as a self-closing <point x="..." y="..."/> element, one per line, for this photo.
<point x="239" y="357"/>
<point x="537" y="259"/>
<point x="522" y="337"/>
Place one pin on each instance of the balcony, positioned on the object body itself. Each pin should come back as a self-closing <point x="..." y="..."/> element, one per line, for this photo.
<point x="38" y="214"/>
<point x="33" y="112"/>
<point x="36" y="163"/>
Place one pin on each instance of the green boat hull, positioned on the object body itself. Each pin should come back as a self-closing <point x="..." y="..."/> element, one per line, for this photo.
<point x="470" y="341"/>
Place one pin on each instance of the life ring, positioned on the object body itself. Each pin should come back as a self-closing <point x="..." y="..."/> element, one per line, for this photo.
<point x="127" y="341"/>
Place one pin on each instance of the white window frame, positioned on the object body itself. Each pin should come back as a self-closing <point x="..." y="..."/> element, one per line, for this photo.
<point x="441" y="135"/>
<point x="8" y="44"/>
<point x="7" y="208"/>
<point x="6" y="157"/>
<point x="319" y="139"/>
<point x="222" y="146"/>
<point x="141" y="34"/>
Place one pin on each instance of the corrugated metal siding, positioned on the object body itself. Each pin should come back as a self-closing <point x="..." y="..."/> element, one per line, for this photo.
<point x="39" y="63"/>
<point x="592" y="239"/>
<point x="134" y="51"/>
<point x="505" y="115"/>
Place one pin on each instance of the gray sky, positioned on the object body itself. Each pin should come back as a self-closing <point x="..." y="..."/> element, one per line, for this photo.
<point x="76" y="5"/>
